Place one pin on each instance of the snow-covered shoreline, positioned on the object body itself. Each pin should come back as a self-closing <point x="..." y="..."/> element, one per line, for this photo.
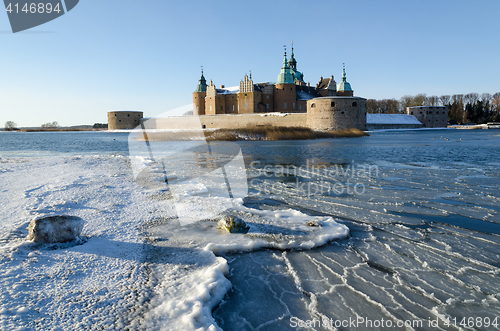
<point x="134" y="266"/>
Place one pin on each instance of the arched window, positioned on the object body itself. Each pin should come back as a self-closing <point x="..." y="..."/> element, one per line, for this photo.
<point x="313" y="105"/>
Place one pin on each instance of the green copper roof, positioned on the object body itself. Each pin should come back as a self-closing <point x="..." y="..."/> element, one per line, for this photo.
<point x="344" y="85"/>
<point x="285" y="76"/>
<point x="292" y="61"/>
<point x="297" y="75"/>
<point x="202" y="86"/>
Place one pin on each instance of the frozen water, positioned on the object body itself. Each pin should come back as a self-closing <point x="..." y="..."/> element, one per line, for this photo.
<point x="415" y="237"/>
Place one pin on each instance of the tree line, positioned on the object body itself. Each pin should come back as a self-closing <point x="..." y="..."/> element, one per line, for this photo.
<point x="462" y="108"/>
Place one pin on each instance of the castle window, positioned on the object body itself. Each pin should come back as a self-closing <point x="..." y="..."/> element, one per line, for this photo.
<point x="227" y="108"/>
<point x="210" y="108"/>
<point x="204" y="126"/>
<point x="293" y="106"/>
<point x="267" y="106"/>
<point x="245" y="94"/>
<point x="354" y="104"/>
<point x="284" y="106"/>
<point x="341" y="112"/>
<point x="267" y="96"/>
<point x="275" y="106"/>
<point x="290" y="88"/>
<point x="221" y="108"/>
<point x="246" y="105"/>
<point x="300" y="106"/>
<point x="411" y="113"/>
<point x="233" y="107"/>
<point x="313" y="105"/>
<point x="128" y="115"/>
<point x="119" y="120"/>
<point x="197" y="108"/>
<point x="332" y="104"/>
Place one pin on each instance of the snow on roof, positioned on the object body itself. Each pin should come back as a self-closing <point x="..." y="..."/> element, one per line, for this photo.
<point x="302" y="95"/>
<point x="229" y="90"/>
<point x="391" y="119"/>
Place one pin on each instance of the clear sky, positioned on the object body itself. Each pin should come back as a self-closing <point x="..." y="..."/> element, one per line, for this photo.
<point x="146" y="55"/>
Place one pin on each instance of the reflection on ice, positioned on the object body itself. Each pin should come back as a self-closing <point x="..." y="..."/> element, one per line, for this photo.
<point x="423" y="246"/>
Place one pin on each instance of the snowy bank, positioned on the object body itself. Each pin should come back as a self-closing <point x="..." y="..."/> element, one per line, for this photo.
<point x="134" y="266"/>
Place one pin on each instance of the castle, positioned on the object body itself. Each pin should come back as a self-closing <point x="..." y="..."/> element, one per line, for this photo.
<point x="327" y="106"/>
<point x="290" y="102"/>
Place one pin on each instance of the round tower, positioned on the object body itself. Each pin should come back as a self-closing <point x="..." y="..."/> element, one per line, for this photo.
<point x="119" y="120"/>
<point x="199" y="95"/>
<point x="336" y="113"/>
<point x="285" y="95"/>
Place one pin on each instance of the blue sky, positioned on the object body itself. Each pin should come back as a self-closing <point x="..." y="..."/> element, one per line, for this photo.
<point x="146" y="55"/>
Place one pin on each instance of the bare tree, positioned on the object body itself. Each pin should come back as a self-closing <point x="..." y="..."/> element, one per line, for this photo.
<point x="445" y="100"/>
<point x="406" y="101"/>
<point x="53" y="125"/>
<point x="432" y="101"/>
<point x="419" y="100"/>
<point x="10" y="125"/>
<point x="471" y="98"/>
<point x="495" y="104"/>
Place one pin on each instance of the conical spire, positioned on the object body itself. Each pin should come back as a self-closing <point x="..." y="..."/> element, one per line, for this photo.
<point x="292" y="62"/>
<point x="344" y="85"/>
<point x="202" y="85"/>
<point x="297" y="75"/>
<point x="285" y="63"/>
<point x="285" y="76"/>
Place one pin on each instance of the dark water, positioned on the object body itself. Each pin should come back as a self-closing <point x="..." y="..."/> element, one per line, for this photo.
<point x="62" y="143"/>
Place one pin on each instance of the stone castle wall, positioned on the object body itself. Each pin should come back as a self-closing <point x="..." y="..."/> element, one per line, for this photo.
<point x="430" y="116"/>
<point x="119" y="120"/>
<point x="240" y="121"/>
<point x="326" y="113"/>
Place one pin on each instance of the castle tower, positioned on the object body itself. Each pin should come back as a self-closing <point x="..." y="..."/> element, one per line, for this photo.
<point x="285" y="95"/>
<point x="199" y="96"/>
<point x="344" y="88"/>
<point x="246" y="96"/>
<point x="298" y="77"/>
